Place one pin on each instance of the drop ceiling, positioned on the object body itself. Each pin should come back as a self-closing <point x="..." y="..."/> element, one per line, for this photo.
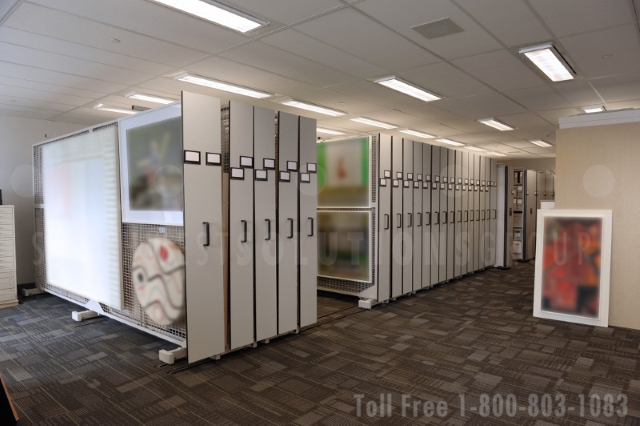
<point x="59" y="58"/>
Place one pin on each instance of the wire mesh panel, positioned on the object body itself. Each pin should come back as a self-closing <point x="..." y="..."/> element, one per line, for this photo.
<point x="132" y="236"/>
<point x="347" y="286"/>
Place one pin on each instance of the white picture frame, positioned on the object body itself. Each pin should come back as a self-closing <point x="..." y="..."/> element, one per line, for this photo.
<point x="569" y="258"/>
<point x="155" y="217"/>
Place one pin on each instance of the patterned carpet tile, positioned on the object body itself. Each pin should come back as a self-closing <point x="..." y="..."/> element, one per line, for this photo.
<point x="471" y="346"/>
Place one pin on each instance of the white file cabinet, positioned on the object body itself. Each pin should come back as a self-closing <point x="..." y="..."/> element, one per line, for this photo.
<point x="8" y="290"/>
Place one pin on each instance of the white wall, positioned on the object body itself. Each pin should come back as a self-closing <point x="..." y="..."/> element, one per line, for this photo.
<point x="16" y="138"/>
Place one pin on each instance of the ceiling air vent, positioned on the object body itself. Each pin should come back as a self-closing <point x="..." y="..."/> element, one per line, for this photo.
<point x="439" y="28"/>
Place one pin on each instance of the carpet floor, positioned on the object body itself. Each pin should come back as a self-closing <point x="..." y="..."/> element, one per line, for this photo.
<point x="470" y="347"/>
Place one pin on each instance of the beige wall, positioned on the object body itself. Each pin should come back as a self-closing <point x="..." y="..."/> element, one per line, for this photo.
<point x="599" y="168"/>
<point x="17" y="136"/>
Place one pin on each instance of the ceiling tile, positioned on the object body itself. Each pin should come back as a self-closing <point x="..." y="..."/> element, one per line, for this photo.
<point x="538" y="98"/>
<point x="578" y="92"/>
<point x="51" y="23"/>
<point x="401" y="15"/>
<point x="579" y="16"/>
<point x="339" y="101"/>
<point x="22" y="111"/>
<point x="470" y="126"/>
<point x="500" y="70"/>
<point x="310" y="48"/>
<point x="492" y="104"/>
<point x="269" y="58"/>
<point x="44" y="87"/>
<point x="430" y="113"/>
<point x="52" y="45"/>
<point x="445" y="80"/>
<point x="459" y="107"/>
<point x="512" y="22"/>
<point x="540" y="150"/>
<point x="245" y="75"/>
<point x="143" y="16"/>
<point x="619" y="88"/>
<point x="37" y="95"/>
<point x="376" y="94"/>
<point x="43" y="104"/>
<point x="439" y="130"/>
<point x="587" y="51"/>
<point x="523" y="121"/>
<point x="286" y="11"/>
<point x="552" y="116"/>
<point x="61" y="63"/>
<point x="57" y="78"/>
<point x="366" y="39"/>
<point x="519" y="144"/>
<point x="623" y="105"/>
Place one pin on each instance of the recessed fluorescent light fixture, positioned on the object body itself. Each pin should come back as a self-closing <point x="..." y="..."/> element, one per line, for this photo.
<point x="375" y="123"/>
<point x="449" y="142"/>
<point x="592" y="109"/>
<point x="540" y="142"/>
<point x="217" y="13"/>
<point x="475" y="148"/>
<point x="417" y="133"/>
<point x="550" y="61"/>
<point x="149" y="98"/>
<point x="221" y="85"/>
<point x="329" y="131"/>
<point x="492" y="122"/>
<point x="497" y="154"/>
<point x="312" y="107"/>
<point x="103" y="107"/>
<point x="401" y="86"/>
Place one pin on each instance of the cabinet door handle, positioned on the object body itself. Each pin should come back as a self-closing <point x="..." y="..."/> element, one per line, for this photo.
<point x="427" y="220"/>
<point x="290" y="228"/>
<point x="244" y="230"/>
<point x="206" y="231"/>
<point x="420" y="221"/>
<point x="386" y="221"/>
<point x="436" y="219"/>
<point x="410" y="220"/>
<point x="444" y="217"/>
<point x="268" y="230"/>
<point x="312" y="228"/>
<point x="399" y="220"/>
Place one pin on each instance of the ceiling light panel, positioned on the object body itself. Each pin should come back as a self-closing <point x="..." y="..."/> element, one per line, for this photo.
<point x="592" y="109"/>
<point x="475" y="148"/>
<point x="329" y="132"/>
<point x="407" y="88"/>
<point x="217" y="13"/>
<point x="224" y="86"/>
<point x="497" y="154"/>
<point x="312" y="107"/>
<point x="492" y="122"/>
<point x="417" y="133"/>
<point x="540" y="142"/>
<point x="449" y="142"/>
<point x="149" y="98"/>
<point x="103" y="107"/>
<point x="549" y="61"/>
<point x="375" y="123"/>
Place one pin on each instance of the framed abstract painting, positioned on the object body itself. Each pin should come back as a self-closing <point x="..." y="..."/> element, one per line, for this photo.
<point x="573" y="265"/>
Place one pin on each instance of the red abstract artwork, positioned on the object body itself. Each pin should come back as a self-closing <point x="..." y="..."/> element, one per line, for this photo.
<point x="571" y="265"/>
